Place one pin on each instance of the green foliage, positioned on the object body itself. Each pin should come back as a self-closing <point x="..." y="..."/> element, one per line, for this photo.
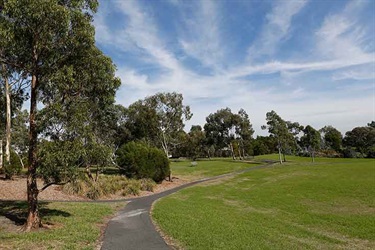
<point x="14" y="167"/>
<point x="224" y="127"/>
<point x="362" y="139"/>
<point x="138" y="160"/>
<point x="59" y="161"/>
<point x="158" y="120"/>
<point x="264" y="145"/>
<point x="332" y="138"/>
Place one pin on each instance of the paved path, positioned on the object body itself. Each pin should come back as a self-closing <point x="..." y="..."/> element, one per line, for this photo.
<point x="132" y="228"/>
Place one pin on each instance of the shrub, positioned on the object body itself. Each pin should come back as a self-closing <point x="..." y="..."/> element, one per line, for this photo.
<point x="138" y="160"/>
<point x="350" y="153"/>
<point x="147" y="185"/>
<point x="371" y="153"/>
<point x="94" y="191"/>
<point x="14" y="167"/>
<point x="107" y="185"/>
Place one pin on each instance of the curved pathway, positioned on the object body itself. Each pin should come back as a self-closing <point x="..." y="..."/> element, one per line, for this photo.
<point x="132" y="228"/>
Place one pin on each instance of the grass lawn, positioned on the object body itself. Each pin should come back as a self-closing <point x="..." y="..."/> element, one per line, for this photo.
<point x="72" y="225"/>
<point x="206" y="168"/>
<point x="297" y="205"/>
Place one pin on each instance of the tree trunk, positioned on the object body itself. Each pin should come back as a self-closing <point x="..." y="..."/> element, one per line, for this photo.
<point x="232" y="151"/>
<point x="1" y="154"/>
<point x="165" y="145"/>
<point x="8" y="122"/>
<point x="21" y="161"/>
<point x="239" y="151"/>
<point x="313" y="156"/>
<point x="33" y="218"/>
<point x="279" y="146"/>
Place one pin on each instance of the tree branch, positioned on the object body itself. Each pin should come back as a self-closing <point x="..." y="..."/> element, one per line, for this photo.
<point x="52" y="183"/>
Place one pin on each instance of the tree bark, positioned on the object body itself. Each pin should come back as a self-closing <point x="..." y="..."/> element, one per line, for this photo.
<point x="232" y="151"/>
<point x="279" y="146"/>
<point x="239" y="151"/>
<point x="8" y="121"/>
<point x="33" y="218"/>
<point x="1" y="154"/>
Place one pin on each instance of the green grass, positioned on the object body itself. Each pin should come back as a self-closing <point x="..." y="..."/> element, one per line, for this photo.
<point x="72" y="225"/>
<point x="205" y="168"/>
<point x="297" y="205"/>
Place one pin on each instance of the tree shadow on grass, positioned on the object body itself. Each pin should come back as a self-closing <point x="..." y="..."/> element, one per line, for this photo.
<point x="16" y="211"/>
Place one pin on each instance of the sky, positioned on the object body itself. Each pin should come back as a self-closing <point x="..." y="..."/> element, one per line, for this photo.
<point x="311" y="61"/>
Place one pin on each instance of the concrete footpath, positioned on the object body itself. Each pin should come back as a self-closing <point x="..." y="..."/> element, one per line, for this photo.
<point x="132" y="228"/>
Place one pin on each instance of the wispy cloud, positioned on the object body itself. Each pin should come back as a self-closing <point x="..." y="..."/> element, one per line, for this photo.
<point x="340" y="36"/>
<point x="276" y="28"/>
<point x="201" y="37"/>
<point x="339" y="48"/>
<point x="364" y="72"/>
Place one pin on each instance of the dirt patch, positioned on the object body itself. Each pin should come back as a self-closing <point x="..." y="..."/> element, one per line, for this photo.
<point x="16" y="190"/>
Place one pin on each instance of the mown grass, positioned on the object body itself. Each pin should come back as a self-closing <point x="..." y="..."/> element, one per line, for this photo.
<point x="298" y="205"/>
<point x="202" y="169"/>
<point x="71" y="225"/>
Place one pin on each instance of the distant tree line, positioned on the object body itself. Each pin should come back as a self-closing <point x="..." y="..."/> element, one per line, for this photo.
<point x="48" y="56"/>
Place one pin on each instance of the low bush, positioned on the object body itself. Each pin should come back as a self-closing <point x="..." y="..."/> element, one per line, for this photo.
<point x="138" y="160"/>
<point x="147" y="185"/>
<point x="14" y="167"/>
<point x="108" y="185"/>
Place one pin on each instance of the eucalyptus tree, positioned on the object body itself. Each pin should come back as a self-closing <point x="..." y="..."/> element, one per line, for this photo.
<point x="278" y="129"/>
<point x="362" y="139"/>
<point x="311" y="140"/>
<point x="81" y="109"/>
<point x="294" y="129"/>
<point x="195" y="145"/>
<point x="48" y="35"/>
<point x="12" y="95"/>
<point x="332" y="138"/>
<point x="244" y="132"/>
<point x="223" y="128"/>
<point x="158" y="119"/>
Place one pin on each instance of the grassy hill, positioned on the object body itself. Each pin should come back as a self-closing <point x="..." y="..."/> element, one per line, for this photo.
<point x="328" y="204"/>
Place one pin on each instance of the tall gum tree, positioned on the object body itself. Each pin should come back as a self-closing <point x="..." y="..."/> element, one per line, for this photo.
<point x="47" y="34"/>
<point x="223" y="128"/>
<point x="278" y="128"/>
<point x="311" y="140"/>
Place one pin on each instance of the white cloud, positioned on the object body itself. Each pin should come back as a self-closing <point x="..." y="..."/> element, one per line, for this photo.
<point x="201" y="37"/>
<point x="277" y="27"/>
<point x="277" y="66"/>
<point x="227" y="87"/>
<point x="340" y="36"/>
<point x="364" y="72"/>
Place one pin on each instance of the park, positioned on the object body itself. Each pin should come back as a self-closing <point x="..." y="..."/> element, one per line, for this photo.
<point x="181" y="125"/>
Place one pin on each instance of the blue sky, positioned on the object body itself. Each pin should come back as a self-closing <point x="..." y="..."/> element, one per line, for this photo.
<point x="310" y="61"/>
